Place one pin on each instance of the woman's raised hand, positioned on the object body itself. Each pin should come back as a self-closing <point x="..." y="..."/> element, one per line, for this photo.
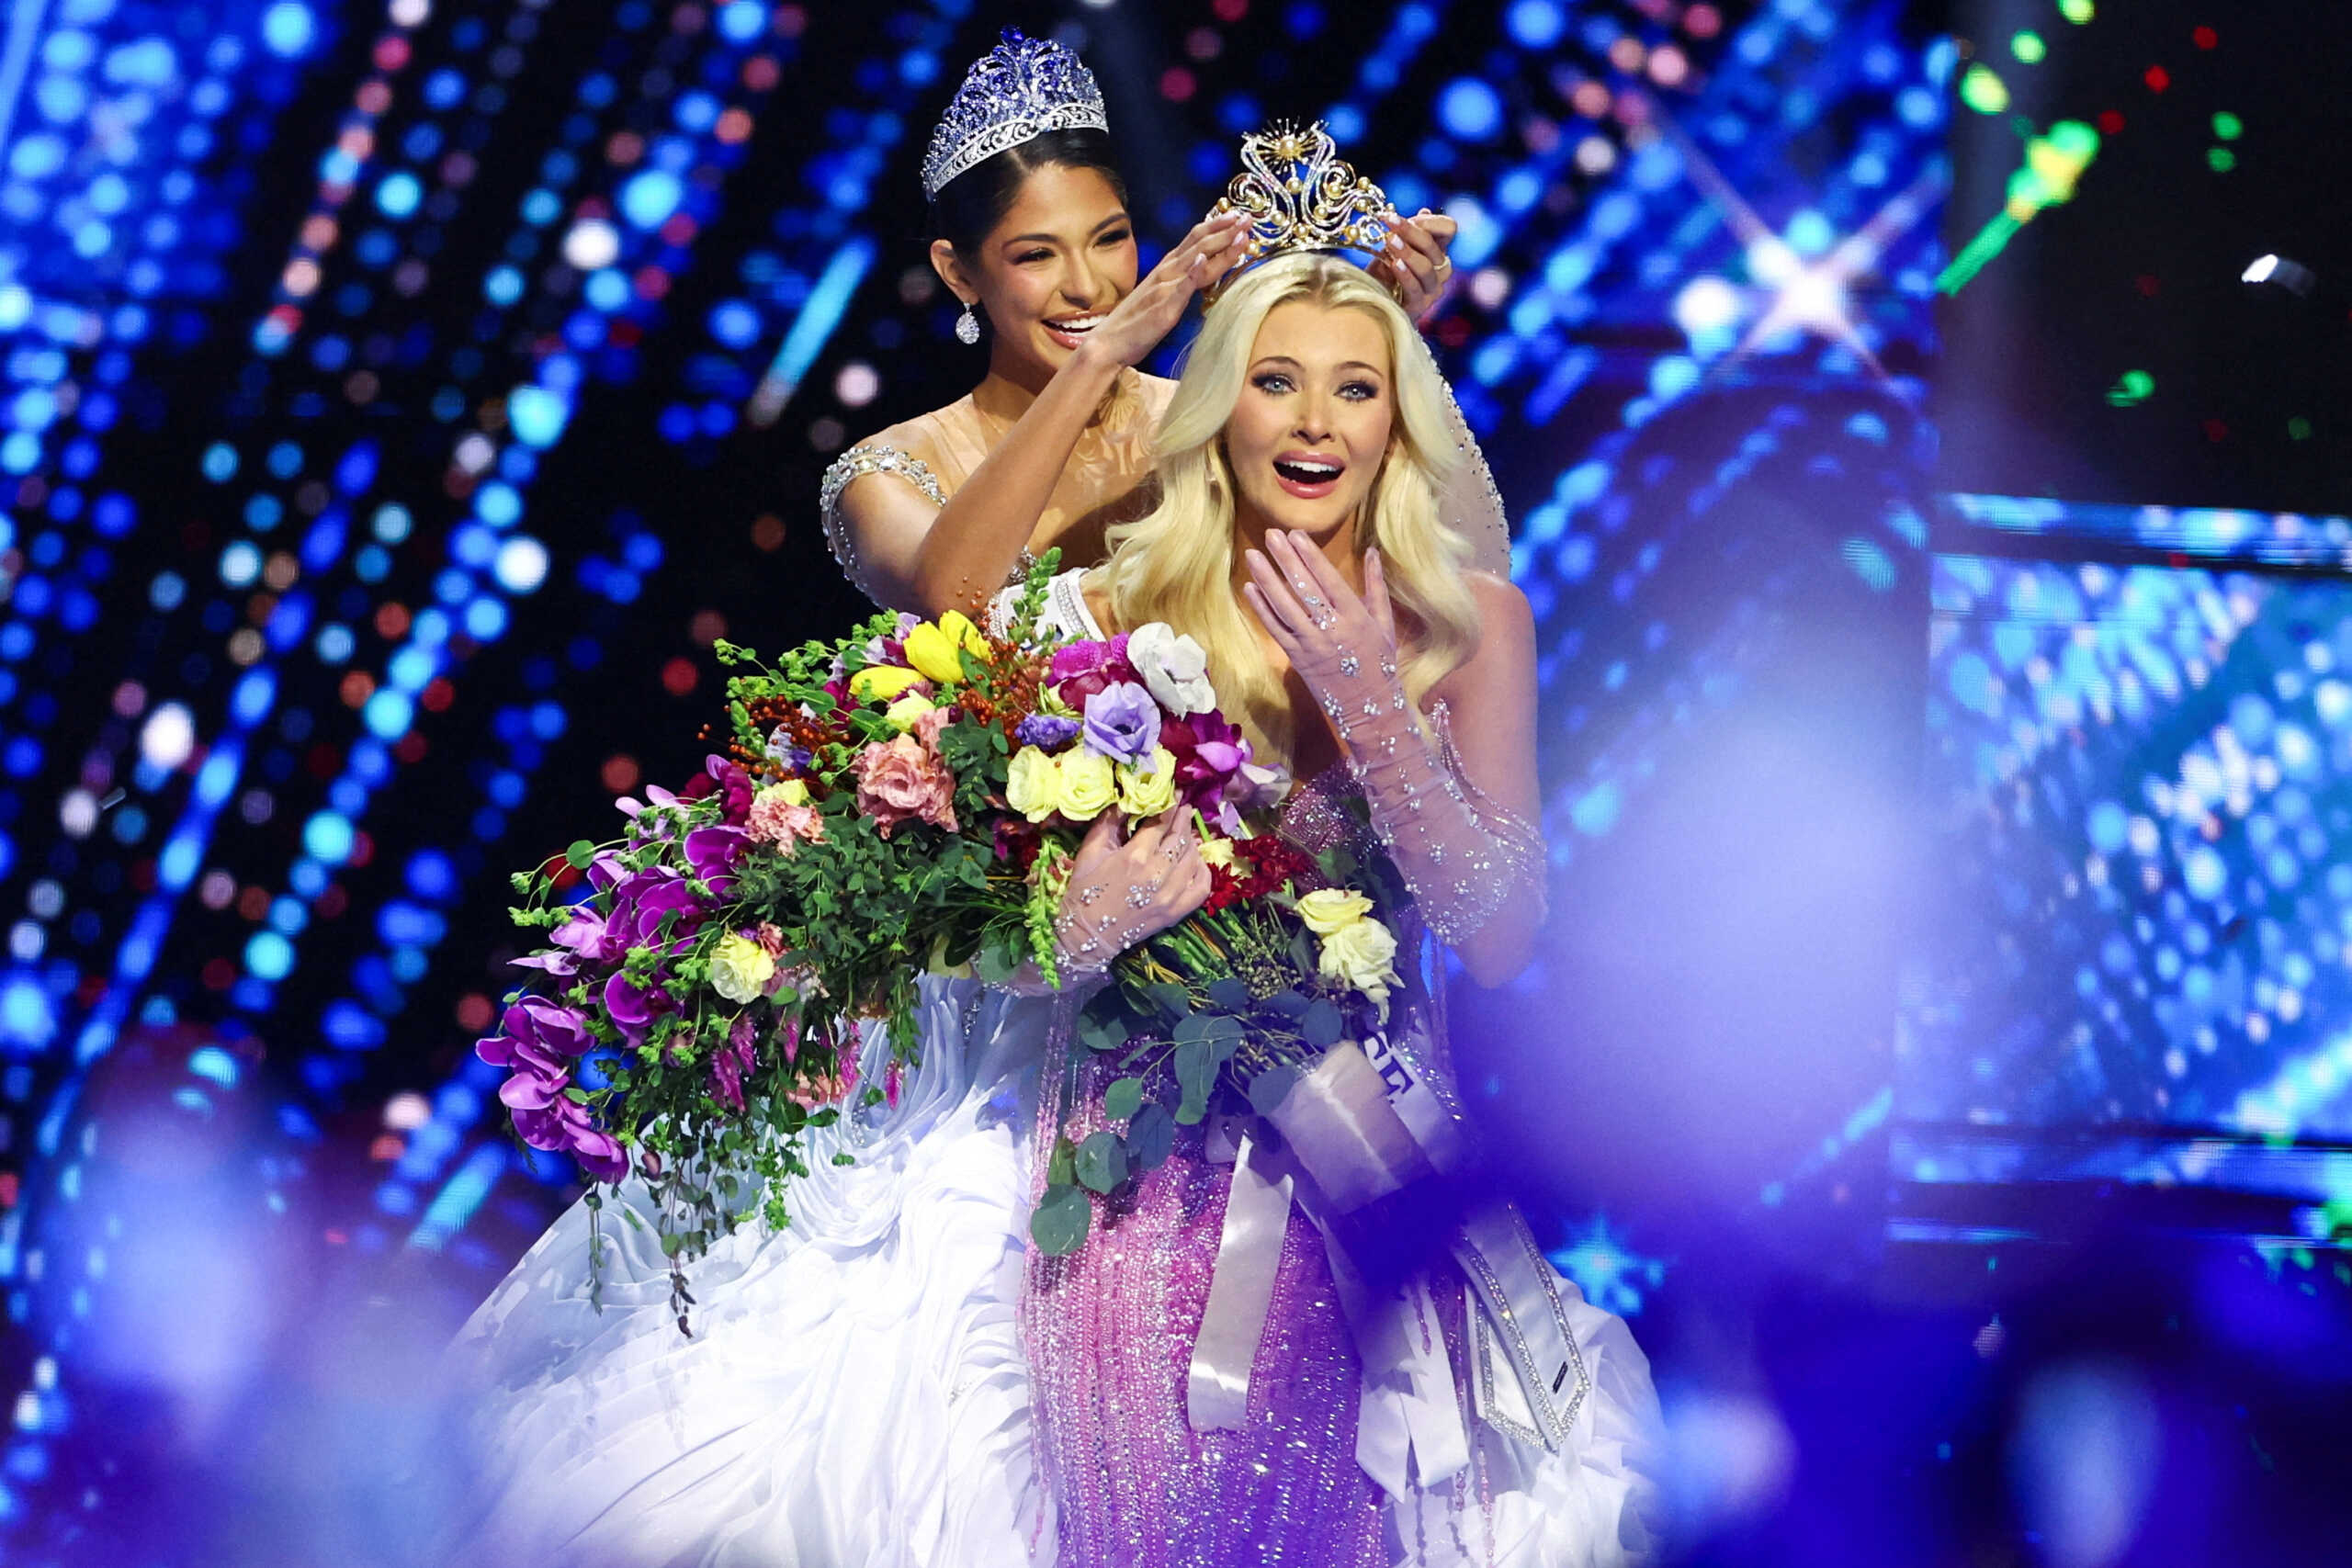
<point x="1342" y="643"/>
<point x="1415" y="265"/>
<point x="1120" y="893"/>
<point x="1137" y="324"/>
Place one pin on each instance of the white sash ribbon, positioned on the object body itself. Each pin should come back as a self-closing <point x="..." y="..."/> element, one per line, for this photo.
<point x="1361" y="1125"/>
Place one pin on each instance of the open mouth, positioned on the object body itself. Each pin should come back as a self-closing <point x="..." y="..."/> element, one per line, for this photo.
<point x="1309" y="475"/>
<point x="1070" y="330"/>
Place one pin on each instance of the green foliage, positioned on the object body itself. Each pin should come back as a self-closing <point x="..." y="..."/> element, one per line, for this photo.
<point x="1060" y="1224"/>
<point x="1123" y="1099"/>
<point x="1101" y="1162"/>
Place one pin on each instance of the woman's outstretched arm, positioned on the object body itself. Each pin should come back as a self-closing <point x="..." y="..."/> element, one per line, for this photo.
<point x="914" y="555"/>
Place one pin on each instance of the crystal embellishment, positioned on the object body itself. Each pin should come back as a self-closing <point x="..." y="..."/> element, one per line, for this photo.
<point x="1300" y="194"/>
<point x="1022" y="89"/>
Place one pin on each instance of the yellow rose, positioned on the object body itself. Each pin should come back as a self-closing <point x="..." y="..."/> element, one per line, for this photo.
<point x="740" y="969"/>
<point x="1330" y="909"/>
<point x="1087" y="784"/>
<point x="933" y="651"/>
<point x="902" y="714"/>
<point x="881" y="682"/>
<point x="1031" y="783"/>
<point x="1361" y="955"/>
<point x="1217" y="853"/>
<point x="792" y="791"/>
<point x="1148" y="795"/>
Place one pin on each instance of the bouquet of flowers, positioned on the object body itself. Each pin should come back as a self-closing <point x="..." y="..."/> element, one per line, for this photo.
<point x="903" y="801"/>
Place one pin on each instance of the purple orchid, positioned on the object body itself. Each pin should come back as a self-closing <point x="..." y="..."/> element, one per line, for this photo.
<point x="713" y="851"/>
<point x="1123" y="721"/>
<point x="1209" y="751"/>
<point x="632" y="1006"/>
<point x="732" y="1062"/>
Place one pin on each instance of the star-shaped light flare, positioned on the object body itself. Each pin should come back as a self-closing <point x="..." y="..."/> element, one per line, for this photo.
<point x="1810" y="297"/>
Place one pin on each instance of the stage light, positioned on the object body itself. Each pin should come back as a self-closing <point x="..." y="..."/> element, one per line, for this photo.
<point x="1982" y="91"/>
<point x="1470" y="109"/>
<point x="1706" y="306"/>
<point x="648" y="199"/>
<point x="168" y="737"/>
<point x="522" y="565"/>
<point x="591" y="244"/>
<point x="1535" y="24"/>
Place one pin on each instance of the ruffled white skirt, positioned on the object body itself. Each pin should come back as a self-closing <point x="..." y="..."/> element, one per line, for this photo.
<point x="855" y="1395"/>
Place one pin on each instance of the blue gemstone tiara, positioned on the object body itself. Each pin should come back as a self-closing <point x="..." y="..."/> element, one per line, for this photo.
<point x="1017" y="92"/>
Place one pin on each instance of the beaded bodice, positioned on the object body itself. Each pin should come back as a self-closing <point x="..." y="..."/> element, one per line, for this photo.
<point x="935" y="453"/>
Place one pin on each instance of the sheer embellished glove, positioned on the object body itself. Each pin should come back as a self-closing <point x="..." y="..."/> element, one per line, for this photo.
<point x="1120" y="894"/>
<point x="1463" y="856"/>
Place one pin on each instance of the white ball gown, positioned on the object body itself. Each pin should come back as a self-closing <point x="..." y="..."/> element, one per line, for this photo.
<point x="857" y="1392"/>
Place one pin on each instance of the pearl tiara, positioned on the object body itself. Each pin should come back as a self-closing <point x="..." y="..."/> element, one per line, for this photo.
<point x="1017" y="92"/>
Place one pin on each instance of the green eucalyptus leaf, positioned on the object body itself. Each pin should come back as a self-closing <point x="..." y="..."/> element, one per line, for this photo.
<point x="1322" y="1027"/>
<point x="995" y="963"/>
<point x="1230" y="994"/>
<point x="1060" y="1224"/>
<point x="1196" y="1066"/>
<point x="1171" y="998"/>
<point x="1289" y="1004"/>
<point x="1271" y="1088"/>
<point x="579" y="854"/>
<point x="1102" y="1030"/>
<point x="1150" y="1135"/>
<point x="1121" y="1099"/>
<point x="1102" y="1161"/>
<point x="1060" y="1170"/>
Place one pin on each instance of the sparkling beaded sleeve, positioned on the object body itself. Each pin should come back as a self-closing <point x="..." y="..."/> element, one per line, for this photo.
<point x="1465" y="857"/>
<point x="873" y="458"/>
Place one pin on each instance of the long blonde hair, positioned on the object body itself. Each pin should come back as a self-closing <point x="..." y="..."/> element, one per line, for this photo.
<point x="1175" y="563"/>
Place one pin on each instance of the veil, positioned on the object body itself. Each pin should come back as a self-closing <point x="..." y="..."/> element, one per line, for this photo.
<point x="1470" y="502"/>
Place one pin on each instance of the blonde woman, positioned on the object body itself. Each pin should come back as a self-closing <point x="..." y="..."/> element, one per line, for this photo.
<point x="1031" y="235"/>
<point x="1298" y="537"/>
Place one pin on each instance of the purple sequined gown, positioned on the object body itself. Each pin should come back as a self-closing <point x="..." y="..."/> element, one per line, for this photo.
<point x="1110" y="1333"/>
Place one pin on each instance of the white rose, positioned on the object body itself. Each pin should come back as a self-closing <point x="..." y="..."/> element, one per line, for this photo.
<point x="1175" y="670"/>
<point x="1361" y="955"/>
<point x="740" y="969"/>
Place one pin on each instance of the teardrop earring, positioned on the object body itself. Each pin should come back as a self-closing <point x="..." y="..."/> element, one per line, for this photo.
<point x="967" y="327"/>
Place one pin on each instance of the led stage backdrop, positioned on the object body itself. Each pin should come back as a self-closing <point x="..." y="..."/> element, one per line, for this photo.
<point x="2114" y="333"/>
<point x="2127" y="987"/>
<point x="402" y="397"/>
<point x="2139" y="785"/>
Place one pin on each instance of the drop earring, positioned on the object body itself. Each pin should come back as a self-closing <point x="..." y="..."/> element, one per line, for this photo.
<point x="967" y="327"/>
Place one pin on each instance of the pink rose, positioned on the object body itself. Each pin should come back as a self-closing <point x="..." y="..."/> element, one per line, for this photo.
<point x="776" y="821"/>
<point x="903" y="778"/>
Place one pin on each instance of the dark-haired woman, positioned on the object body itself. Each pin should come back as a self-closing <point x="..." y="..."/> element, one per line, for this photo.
<point x="1035" y="238"/>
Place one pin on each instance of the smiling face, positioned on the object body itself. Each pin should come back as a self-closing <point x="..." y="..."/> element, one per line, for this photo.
<point x="1052" y="267"/>
<point x="1317" y="405"/>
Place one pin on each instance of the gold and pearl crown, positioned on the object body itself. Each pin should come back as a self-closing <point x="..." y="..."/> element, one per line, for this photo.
<point x="1300" y="194"/>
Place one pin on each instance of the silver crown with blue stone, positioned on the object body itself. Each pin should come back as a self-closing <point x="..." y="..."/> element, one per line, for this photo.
<point x="1020" y="90"/>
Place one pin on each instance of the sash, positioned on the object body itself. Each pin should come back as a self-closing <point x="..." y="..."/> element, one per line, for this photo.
<point x="1364" y="1124"/>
